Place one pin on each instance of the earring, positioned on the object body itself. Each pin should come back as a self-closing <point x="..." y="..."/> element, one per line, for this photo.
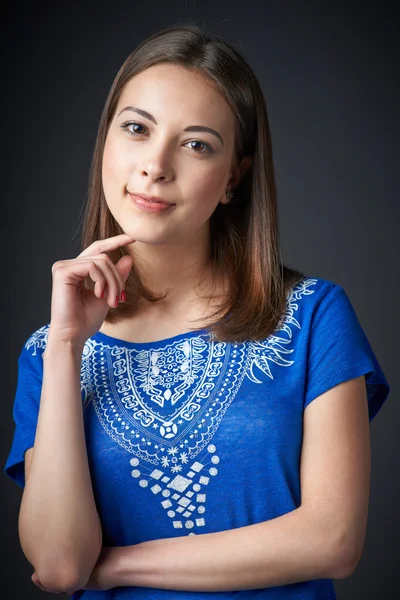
<point x="229" y="194"/>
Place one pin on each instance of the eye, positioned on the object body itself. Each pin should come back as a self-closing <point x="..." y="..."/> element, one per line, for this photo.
<point x="135" y="133"/>
<point x="125" y="126"/>
<point x="208" y="150"/>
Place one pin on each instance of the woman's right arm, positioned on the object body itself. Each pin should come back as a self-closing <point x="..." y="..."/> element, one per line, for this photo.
<point x="59" y="526"/>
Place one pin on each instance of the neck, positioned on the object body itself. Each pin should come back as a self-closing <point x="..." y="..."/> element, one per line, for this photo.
<point x="173" y="268"/>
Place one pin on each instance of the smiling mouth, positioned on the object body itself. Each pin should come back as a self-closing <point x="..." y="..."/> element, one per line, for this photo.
<point x="152" y="199"/>
<point x="156" y="202"/>
<point x="150" y="205"/>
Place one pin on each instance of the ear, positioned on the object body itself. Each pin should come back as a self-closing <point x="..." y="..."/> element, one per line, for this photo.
<point x="239" y="171"/>
<point x="237" y="174"/>
<point x="246" y="164"/>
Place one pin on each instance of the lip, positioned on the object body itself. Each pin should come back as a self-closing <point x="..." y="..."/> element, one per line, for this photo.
<point x="152" y="198"/>
<point x="142" y="201"/>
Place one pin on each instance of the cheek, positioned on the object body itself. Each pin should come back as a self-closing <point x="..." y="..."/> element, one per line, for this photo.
<point x="204" y="194"/>
<point x="208" y="189"/>
<point x="210" y="184"/>
<point x="109" y="162"/>
<point x="112" y="166"/>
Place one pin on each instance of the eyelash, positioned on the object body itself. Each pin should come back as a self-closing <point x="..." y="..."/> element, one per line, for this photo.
<point x="124" y="126"/>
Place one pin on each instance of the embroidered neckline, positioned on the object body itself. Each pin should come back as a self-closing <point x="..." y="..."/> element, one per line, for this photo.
<point x="112" y="341"/>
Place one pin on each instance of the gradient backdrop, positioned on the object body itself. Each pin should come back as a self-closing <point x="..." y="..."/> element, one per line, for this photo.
<point x="329" y="72"/>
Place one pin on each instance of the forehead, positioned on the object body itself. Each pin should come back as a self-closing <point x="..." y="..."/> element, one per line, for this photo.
<point x="168" y="90"/>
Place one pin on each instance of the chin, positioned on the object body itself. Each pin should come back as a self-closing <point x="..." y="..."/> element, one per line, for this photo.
<point x="146" y="237"/>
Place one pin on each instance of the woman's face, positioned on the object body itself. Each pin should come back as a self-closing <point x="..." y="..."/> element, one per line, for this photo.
<point x="191" y="169"/>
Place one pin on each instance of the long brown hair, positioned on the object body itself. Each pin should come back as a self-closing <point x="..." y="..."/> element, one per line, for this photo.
<point x="244" y="232"/>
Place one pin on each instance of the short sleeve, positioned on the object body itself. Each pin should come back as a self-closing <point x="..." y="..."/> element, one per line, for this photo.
<point x="25" y="408"/>
<point x="339" y="350"/>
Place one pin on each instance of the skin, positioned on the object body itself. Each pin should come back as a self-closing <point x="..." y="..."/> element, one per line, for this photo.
<point x="164" y="160"/>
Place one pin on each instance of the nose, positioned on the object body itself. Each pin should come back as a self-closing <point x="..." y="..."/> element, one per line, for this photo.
<point x="153" y="174"/>
<point x="156" y="164"/>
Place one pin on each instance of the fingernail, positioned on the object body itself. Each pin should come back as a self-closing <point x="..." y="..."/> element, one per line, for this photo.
<point x="123" y="296"/>
<point x="116" y="301"/>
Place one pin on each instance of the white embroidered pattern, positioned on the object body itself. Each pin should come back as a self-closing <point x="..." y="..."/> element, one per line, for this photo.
<point x="38" y="340"/>
<point x="164" y="405"/>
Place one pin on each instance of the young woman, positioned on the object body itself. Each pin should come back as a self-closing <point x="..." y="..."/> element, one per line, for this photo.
<point x="194" y="420"/>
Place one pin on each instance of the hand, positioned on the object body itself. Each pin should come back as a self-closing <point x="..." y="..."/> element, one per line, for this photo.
<point x="101" y="578"/>
<point x="77" y="312"/>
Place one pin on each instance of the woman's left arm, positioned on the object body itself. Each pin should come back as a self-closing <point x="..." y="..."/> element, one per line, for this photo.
<point x="323" y="538"/>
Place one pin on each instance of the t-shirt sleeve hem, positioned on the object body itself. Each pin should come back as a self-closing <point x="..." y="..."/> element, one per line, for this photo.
<point x="376" y="385"/>
<point x="15" y="465"/>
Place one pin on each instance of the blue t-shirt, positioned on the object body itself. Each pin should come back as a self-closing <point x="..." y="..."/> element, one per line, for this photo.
<point x="187" y="435"/>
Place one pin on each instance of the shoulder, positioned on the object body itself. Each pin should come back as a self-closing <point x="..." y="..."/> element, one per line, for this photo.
<point x="31" y="354"/>
<point x="36" y="341"/>
<point x="310" y="284"/>
<point x="35" y="344"/>
<point x="309" y="292"/>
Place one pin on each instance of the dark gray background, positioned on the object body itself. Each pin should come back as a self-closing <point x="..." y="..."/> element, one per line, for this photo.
<point x="329" y="72"/>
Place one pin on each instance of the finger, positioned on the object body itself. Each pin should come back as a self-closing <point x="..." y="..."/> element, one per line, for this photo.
<point x="75" y="271"/>
<point x="106" y="260"/>
<point x="112" y="282"/>
<point x="108" y="244"/>
<point x="124" y="266"/>
<point x="98" y="271"/>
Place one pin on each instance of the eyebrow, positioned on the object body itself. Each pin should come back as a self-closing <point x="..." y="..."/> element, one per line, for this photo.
<point x="147" y="115"/>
